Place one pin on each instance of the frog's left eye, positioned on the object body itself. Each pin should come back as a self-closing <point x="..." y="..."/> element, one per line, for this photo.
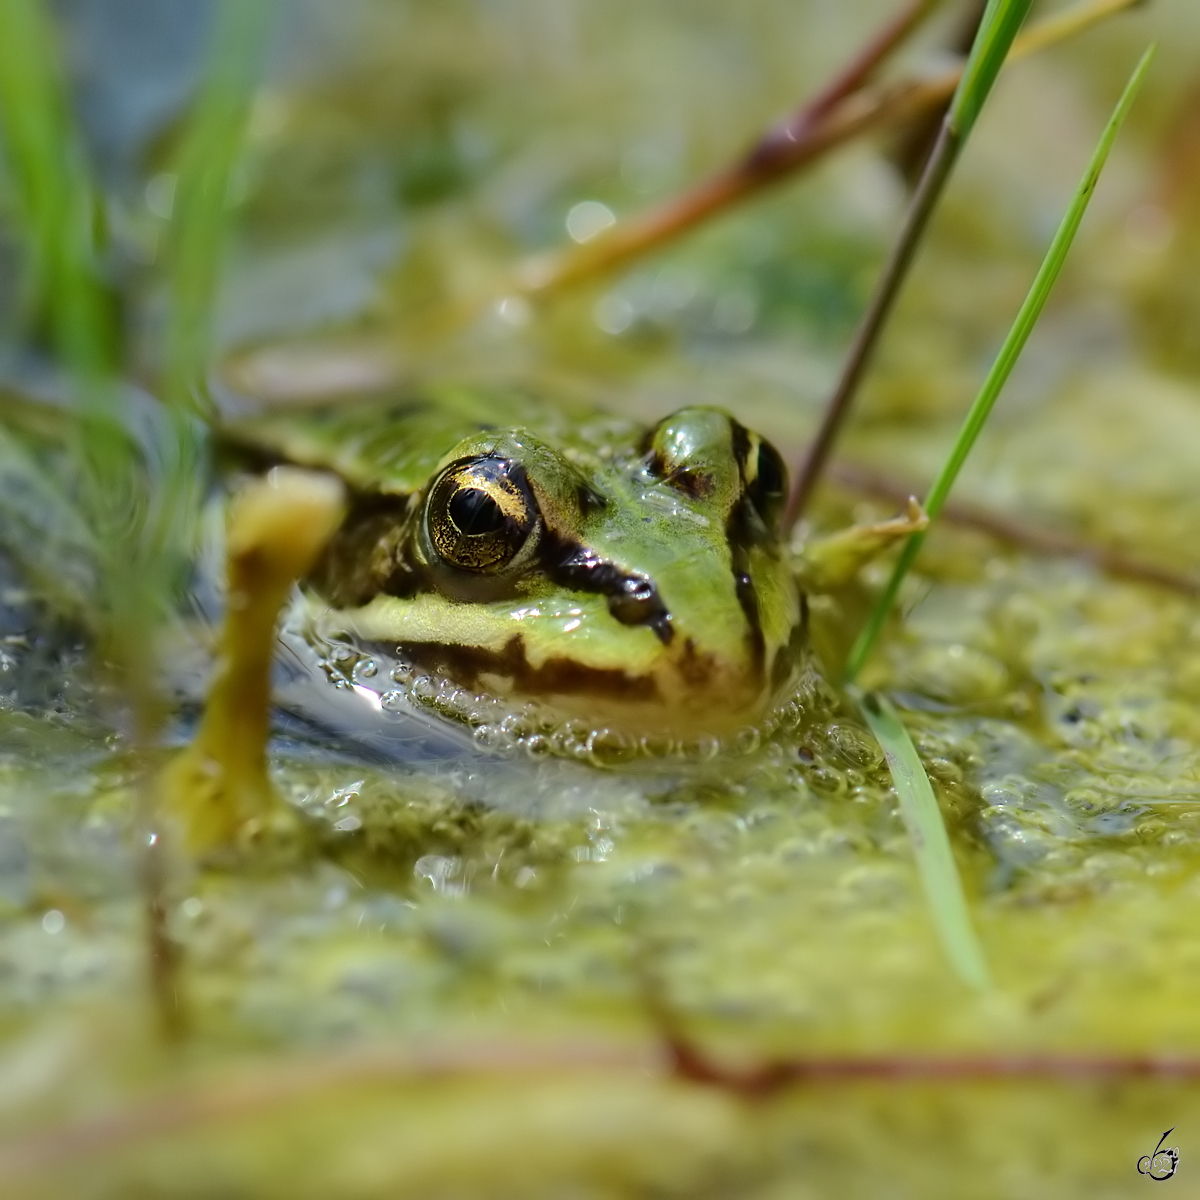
<point x="479" y="513"/>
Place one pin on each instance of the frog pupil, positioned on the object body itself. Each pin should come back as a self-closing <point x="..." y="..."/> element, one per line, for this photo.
<point x="473" y="511"/>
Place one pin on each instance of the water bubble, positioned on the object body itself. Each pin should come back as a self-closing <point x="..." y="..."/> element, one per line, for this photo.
<point x="613" y="315"/>
<point x="944" y="771"/>
<point x="538" y="746"/>
<point x="440" y="872"/>
<point x="748" y="740"/>
<point x="589" y="218"/>
<point x="853" y="745"/>
<point x="1002" y="792"/>
<point x="827" y="781"/>
<point x="491" y="737"/>
<point x="518" y="725"/>
<point x="609" y="747"/>
<point x="657" y="745"/>
<point x="53" y="921"/>
<point x="1090" y="800"/>
<point x="481" y="710"/>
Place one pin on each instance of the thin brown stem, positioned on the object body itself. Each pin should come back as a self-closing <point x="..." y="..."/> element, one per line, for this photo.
<point x="1015" y="532"/>
<point x="912" y="146"/>
<point x="164" y="954"/>
<point x="776" y="156"/>
<point x="269" y="1086"/>
<point x="762" y="1080"/>
<point x="866" y="338"/>
<point x="857" y="71"/>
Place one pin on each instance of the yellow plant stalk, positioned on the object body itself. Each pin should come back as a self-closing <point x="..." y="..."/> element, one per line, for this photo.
<point x="218" y="787"/>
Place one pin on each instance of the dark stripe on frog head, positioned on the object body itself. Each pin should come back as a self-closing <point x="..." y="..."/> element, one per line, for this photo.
<point x="743" y="585"/>
<point x="754" y="520"/>
<point x="562" y="676"/>
<point x="633" y="598"/>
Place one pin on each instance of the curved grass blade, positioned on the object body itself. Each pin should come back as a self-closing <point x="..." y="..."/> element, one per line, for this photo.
<point x="930" y="842"/>
<point x="1014" y="343"/>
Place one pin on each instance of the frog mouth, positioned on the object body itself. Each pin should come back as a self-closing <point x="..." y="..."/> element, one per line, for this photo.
<point x="689" y="699"/>
<point x="510" y="669"/>
<point x="560" y="708"/>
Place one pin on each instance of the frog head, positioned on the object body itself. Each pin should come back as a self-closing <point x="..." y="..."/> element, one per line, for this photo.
<point x="644" y="588"/>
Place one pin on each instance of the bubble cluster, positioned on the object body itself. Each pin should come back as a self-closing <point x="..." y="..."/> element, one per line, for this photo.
<point x="532" y="728"/>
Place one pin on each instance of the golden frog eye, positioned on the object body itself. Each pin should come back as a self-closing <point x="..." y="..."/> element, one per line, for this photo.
<point x="479" y="513"/>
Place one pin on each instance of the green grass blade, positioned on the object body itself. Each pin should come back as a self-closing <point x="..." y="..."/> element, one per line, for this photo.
<point x="1014" y="343"/>
<point x="53" y="193"/>
<point x="1002" y="21"/>
<point x="209" y="155"/>
<point x="931" y="845"/>
<point x="56" y="204"/>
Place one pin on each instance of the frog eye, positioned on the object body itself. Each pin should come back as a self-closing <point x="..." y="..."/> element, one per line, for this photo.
<point x="765" y="478"/>
<point x="480" y="513"/>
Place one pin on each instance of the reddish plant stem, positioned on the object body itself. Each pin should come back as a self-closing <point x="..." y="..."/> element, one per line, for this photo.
<point x="811" y="129"/>
<point x="852" y="76"/>
<point x="777" y="155"/>
<point x="273" y="1085"/>
<point x="763" y="1080"/>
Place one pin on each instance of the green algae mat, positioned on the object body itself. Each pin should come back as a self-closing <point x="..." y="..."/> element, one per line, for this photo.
<point x="531" y="964"/>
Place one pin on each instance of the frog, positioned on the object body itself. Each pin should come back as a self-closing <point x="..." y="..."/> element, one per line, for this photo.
<point x="627" y="577"/>
<point x="545" y="567"/>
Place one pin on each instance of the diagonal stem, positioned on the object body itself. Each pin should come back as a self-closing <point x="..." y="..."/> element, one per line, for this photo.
<point x="1006" y="359"/>
<point x="856" y="112"/>
<point x="933" y="180"/>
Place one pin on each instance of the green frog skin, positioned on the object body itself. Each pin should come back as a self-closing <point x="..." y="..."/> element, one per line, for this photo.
<point x="627" y="577"/>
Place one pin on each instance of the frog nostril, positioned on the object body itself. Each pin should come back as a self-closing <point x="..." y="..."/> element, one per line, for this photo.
<point x="636" y="602"/>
